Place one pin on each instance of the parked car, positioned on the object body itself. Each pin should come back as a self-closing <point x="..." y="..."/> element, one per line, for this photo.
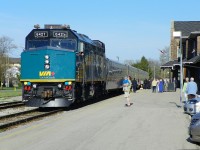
<point x="192" y="106"/>
<point x="194" y="128"/>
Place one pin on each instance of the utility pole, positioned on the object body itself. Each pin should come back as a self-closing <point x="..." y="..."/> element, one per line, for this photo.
<point x="181" y="70"/>
<point x="118" y="58"/>
<point x="178" y="34"/>
<point x="7" y="67"/>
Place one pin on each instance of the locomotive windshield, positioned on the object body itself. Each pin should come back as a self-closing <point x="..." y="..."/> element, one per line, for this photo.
<point x="63" y="43"/>
<point x="58" y="43"/>
<point x="54" y="38"/>
<point x="37" y="43"/>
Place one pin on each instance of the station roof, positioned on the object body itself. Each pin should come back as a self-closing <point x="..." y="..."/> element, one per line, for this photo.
<point x="194" y="34"/>
<point x="170" y="64"/>
<point x="193" y="60"/>
<point x="186" y="27"/>
<point x="185" y="62"/>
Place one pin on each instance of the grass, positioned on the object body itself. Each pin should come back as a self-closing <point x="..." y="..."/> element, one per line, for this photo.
<point x="10" y="92"/>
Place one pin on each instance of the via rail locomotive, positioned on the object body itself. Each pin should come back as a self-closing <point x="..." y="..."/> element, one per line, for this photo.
<point x="60" y="66"/>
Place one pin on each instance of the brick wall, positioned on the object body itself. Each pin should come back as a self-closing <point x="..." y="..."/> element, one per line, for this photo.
<point x="198" y="45"/>
<point x="174" y="43"/>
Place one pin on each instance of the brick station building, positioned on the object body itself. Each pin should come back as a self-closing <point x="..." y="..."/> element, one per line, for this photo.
<point x="190" y="50"/>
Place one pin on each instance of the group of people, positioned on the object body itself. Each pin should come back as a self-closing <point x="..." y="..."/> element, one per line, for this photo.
<point x="163" y="85"/>
<point x="157" y="85"/>
<point x="190" y="89"/>
<point x="132" y="85"/>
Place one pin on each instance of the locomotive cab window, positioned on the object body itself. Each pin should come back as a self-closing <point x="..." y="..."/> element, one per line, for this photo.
<point x="36" y="43"/>
<point x="64" y="43"/>
<point x="81" y="47"/>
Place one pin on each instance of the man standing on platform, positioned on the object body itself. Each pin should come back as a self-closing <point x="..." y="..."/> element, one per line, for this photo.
<point x="126" y="88"/>
<point x="191" y="89"/>
<point x="154" y="84"/>
<point x="184" y="88"/>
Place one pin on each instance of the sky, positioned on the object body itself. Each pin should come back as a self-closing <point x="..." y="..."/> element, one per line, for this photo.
<point x="130" y="29"/>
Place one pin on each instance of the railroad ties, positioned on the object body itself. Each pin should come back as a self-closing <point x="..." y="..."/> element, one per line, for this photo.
<point x="17" y="118"/>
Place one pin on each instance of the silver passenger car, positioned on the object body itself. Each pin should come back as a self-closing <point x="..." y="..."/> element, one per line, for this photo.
<point x="194" y="128"/>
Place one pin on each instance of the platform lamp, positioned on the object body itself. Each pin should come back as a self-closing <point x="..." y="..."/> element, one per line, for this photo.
<point x="178" y="34"/>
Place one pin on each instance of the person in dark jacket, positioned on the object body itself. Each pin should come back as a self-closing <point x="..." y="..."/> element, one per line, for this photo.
<point x="134" y="84"/>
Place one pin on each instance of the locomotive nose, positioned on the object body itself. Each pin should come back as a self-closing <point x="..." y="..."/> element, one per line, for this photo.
<point x="47" y="64"/>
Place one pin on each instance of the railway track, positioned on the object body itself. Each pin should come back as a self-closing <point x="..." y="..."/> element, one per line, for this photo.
<point x="11" y="105"/>
<point x="17" y="118"/>
<point x="11" y="120"/>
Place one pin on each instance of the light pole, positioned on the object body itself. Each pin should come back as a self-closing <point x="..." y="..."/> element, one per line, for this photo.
<point x="118" y="58"/>
<point x="178" y="34"/>
<point x="181" y="69"/>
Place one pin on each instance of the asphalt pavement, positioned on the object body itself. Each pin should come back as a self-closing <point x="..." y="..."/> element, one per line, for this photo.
<point x="154" y="122"/>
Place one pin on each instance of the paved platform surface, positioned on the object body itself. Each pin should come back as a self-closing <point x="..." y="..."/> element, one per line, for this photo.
<point x="153" y="122"/>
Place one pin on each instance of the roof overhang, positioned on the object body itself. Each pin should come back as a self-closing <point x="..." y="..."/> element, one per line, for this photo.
<point x="193" y="60"/>
<point x="194" y="34"/>
<point x="170" y="64"/>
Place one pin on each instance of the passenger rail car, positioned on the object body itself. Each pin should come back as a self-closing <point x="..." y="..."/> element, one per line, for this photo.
<point x="60" y="66"/>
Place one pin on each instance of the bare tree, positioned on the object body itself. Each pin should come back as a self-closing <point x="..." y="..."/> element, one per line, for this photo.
<point x="164" y="55"/>
<point x="6" y="45"/>
<point x="155" y="67"/>
<point x="164" y="58"/>
<point x="129" y="62"/>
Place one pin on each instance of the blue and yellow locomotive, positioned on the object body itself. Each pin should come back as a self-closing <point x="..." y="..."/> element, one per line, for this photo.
<point x="60" y="66"/>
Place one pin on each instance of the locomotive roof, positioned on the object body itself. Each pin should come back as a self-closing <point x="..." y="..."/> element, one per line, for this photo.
<point x="85" y="38"/>
<point x="81" y="37"/>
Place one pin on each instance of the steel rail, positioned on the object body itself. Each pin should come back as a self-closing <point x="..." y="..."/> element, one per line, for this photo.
<point x="23" y="117"/>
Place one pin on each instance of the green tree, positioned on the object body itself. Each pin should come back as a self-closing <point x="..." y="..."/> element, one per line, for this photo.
<point x="143" y="64"/>
<point x="151" y="66"/>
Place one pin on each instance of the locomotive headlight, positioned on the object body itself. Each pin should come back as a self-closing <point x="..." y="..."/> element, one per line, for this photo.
<point x="46" y="61"/>
<point x="46" y="56"/>
<point x="34" y="86"/>
<point x="59" y="85"/>
<point x="47" y="67"/>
